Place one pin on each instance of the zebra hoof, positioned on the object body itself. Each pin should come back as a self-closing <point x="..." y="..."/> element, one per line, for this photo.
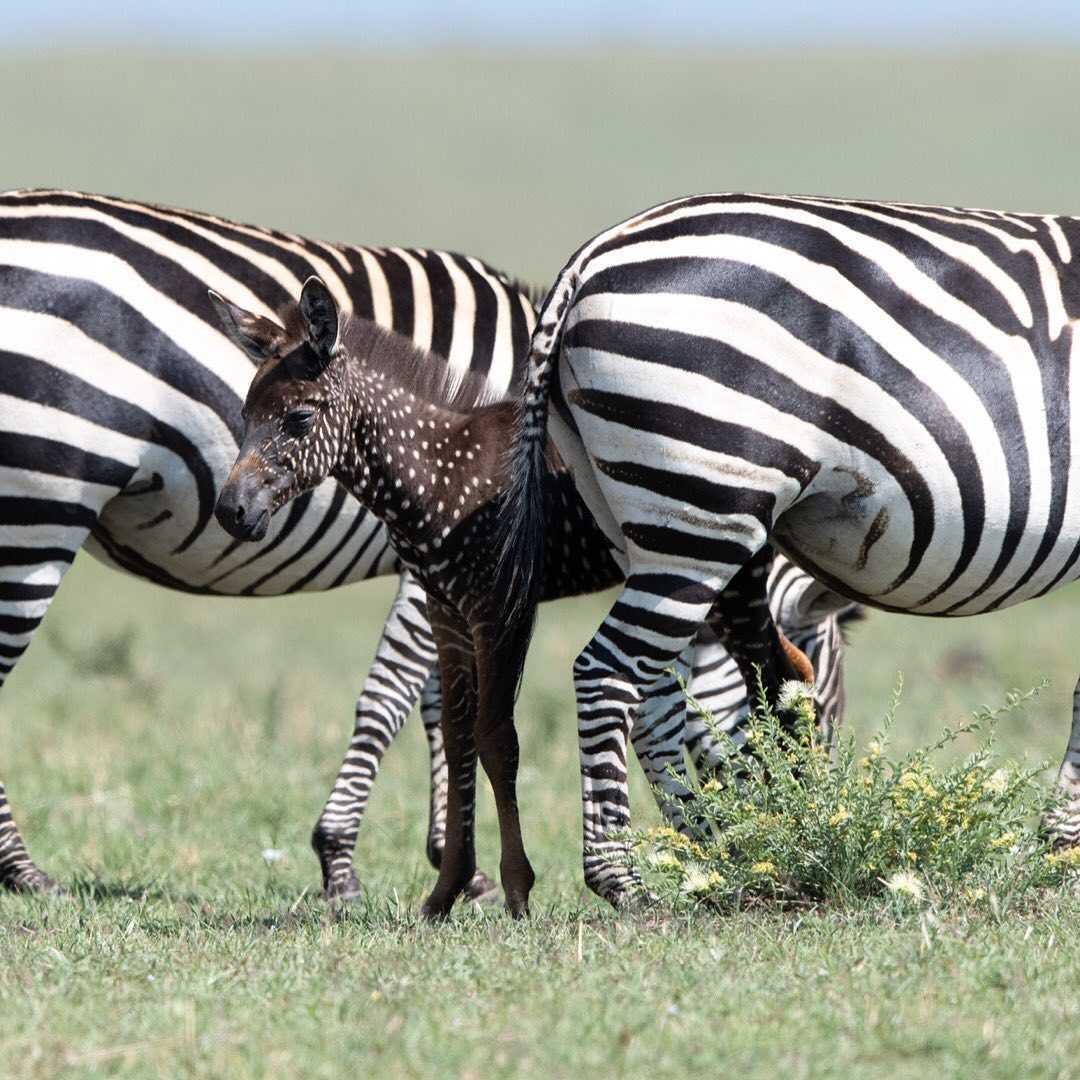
<point x="481" y="890"/>
<point x="35" y="882"/>
<point x="342" y="890"/>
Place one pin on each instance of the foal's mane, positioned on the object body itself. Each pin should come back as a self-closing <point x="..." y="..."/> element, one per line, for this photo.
<point x="427" y="375"/>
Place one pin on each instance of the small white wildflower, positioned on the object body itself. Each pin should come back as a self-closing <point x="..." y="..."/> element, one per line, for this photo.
<point x="794" y="694"/>
<point x="905" y="883"/>
<point x="697" y="880"/>
<point x="273" y="855"/>
<point x="997" y="782"/>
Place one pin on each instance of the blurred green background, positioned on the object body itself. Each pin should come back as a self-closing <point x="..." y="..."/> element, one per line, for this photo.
<point x="154" y="738"/>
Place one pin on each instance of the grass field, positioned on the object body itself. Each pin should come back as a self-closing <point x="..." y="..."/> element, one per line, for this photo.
<point x="155" y="745"/>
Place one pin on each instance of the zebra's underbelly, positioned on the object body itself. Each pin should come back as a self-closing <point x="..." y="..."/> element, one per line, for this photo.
<point x="328" y="541"/>
<point x="859" y="538"/>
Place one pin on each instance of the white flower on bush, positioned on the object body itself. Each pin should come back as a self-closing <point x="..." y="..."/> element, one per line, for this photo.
<point x="905" y="883"/>
<point x="998" y="782"/>
<point x="697" y="880"/>
<point x="794" y="695"/>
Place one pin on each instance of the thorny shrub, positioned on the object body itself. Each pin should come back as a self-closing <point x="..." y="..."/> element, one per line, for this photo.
<point x="784" y="821"/>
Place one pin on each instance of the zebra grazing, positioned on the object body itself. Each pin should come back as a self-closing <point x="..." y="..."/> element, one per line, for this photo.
<point x="119" y="418"/>
<point x="884" y="392"/>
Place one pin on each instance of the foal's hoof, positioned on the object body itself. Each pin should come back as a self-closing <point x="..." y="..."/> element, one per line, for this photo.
<point x="517" y="909"/>
<point x="436" y="908"/>
<point x="481" y="890"/>
<point x="343" y="889"/>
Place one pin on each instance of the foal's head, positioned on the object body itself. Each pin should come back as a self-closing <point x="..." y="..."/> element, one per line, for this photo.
<point x="295" y="416"/>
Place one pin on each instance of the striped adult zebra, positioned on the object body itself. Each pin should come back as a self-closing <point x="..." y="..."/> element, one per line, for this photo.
<point x="885" y="392"/>
<point x="119" y="418"/>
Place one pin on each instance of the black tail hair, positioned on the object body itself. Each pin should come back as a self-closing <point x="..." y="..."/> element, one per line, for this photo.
<point x="519" y="569"/>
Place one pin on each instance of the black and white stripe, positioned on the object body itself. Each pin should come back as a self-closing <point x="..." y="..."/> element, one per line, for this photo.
<point x="119" y="417"/>
<point x="882" y="391"/>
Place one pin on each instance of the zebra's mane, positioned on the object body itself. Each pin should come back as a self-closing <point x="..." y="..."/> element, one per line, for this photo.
<point x="427" y="375"/>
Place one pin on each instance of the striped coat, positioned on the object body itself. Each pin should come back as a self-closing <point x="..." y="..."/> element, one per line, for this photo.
<point x="884" y="392"/>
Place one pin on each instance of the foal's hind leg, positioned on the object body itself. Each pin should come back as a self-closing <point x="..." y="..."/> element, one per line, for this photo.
<point x="481" y="887"/>
<point x="1063" y="823"/>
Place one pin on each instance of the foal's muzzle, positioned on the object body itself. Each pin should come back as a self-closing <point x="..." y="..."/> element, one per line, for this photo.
<point x="244" y="507"/>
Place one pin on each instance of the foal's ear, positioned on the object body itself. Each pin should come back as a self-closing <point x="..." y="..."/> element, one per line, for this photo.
<point x="319" y="314"/>
<point x="259" y="337"/>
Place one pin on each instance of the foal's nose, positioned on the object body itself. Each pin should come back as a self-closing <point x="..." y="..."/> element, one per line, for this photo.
<point x="243" y="509"/>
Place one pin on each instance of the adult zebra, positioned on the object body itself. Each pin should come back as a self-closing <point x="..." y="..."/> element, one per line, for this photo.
<point x="885" y="392"/>
<point x="119" y="414"/>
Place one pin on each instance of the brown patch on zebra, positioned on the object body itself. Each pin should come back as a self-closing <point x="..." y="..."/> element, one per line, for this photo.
<point x="873" y="535"/>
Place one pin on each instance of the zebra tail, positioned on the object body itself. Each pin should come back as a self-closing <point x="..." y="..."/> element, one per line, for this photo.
<point x="519" y="571"/>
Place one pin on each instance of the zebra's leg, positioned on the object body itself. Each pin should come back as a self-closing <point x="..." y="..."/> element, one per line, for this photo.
<point x="659" y="737"/>
<point x="655" y="618"/>
<point x="29" y="576"/>
<point x="1062" y="824"/>
<point x="403" y="664"/>
<point x="481" y="887"/>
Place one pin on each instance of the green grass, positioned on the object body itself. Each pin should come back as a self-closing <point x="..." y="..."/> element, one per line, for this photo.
<point x="160" y="743"/>
<point x="156" y="791"/>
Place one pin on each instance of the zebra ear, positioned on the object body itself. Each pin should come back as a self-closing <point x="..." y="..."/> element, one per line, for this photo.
<point x="259" y="337"/>
<point x="319" y="314"/>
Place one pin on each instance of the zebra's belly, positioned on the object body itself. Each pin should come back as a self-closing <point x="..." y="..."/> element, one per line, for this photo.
<point x="865" y="544"/>
<point x="158" y="529"/>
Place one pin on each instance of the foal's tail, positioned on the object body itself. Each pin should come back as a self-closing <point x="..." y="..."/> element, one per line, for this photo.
<point x="519" y="572"/>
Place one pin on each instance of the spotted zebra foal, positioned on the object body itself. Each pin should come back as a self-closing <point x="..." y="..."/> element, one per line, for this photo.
<point x="421" y="453"/>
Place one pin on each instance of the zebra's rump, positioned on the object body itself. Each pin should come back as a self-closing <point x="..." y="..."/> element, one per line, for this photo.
<point x="887" y="386"/>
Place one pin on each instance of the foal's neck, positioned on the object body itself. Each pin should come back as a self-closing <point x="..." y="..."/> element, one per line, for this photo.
<point x="426" y="469"/>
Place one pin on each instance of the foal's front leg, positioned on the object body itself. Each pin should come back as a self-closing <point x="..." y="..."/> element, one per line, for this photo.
<point x="481" y="887"/>
<point x="457" y="866"/>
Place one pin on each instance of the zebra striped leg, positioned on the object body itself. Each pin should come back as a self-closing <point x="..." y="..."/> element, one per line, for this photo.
<point x="402" y="665"/>
<point x="655" y="619"/>
<point x="481" y="887"/>
<point x="659" y="735"/>
<point x="1063" y="823"/>
<point x="29" y="577"/>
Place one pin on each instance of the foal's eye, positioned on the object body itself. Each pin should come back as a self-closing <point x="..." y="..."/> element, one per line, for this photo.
<point x="299" y="422"/>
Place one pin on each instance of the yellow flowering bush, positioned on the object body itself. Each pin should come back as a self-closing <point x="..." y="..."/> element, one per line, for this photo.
<point x="785" y="820"/>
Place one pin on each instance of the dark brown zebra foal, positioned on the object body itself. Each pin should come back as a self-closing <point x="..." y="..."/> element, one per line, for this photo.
<point x="423" y="453"/>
